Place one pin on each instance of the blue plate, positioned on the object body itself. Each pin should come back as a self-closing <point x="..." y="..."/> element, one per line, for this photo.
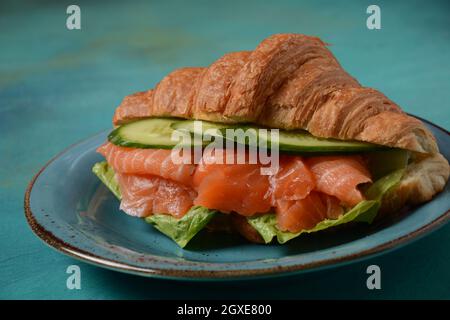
<point x="68" y="208"/>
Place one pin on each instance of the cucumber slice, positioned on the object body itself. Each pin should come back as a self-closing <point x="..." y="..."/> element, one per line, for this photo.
<point x="289" y="141"/>
<point x="151" y="133"/>
<point x="302" y="141"/>
<point x="189" y="125"/>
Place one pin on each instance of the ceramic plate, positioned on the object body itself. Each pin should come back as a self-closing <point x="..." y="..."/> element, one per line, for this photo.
<point x="69" y="209"/>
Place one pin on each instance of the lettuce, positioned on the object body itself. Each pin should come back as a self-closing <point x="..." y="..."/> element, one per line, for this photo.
<point x="107" y="175"/>
<point x="182" y="230"/>
<point x="383" y="185"/>
<point x="266" y="225"/>
<point x="365" y="211"/>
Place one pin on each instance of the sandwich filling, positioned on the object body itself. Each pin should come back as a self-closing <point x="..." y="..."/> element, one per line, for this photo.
<point x="308" y="192"/>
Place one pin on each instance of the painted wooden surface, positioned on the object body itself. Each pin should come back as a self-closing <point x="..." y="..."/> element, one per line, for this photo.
<point x="59" y="86"/>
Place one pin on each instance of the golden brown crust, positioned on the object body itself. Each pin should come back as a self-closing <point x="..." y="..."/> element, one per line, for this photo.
<point x="290" y="81"/>
<point x="424" y="177"/>
<point x="134" y="106"/>
<point x="174" y="95"/>
<point x="213" y="89"/>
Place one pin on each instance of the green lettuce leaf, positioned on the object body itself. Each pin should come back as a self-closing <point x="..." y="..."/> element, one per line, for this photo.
<point x="107" y="175"/>
<point x="266" y="225"/>
<point x="383" y="185"/>
<point x="376" y="192"/>
<point x="182" y="230"/>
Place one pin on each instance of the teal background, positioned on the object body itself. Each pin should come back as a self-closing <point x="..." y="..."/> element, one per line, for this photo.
<point x="59" y="86"/>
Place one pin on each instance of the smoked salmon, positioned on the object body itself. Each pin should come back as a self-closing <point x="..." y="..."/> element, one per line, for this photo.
<point x="231" y="187"/>
<point x="303" y="192"/>
<point x="304" y="214"/>
<point x="293" y="181"/>
<point x="340" y="176"/>
<point x="146" y="195"/>
<point x="156" y="162"/>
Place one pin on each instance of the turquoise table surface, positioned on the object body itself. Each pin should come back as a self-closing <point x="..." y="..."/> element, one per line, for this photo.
<point x="58" y="86"/>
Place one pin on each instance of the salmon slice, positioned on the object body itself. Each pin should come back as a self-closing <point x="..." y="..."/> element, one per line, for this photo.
<point x="156" y="162"/>
<point x="293" y="181"/>
<point x="340" y="176"/>
<point x="232" y="187"/>
<point x="304" y="214"/>
<point x="145" y="195"/>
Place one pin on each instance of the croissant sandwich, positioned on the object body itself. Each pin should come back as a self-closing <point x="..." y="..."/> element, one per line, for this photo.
<point x="299" y="146"/>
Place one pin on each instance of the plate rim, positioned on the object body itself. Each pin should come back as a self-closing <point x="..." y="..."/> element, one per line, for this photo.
<point x="179" y="274"/>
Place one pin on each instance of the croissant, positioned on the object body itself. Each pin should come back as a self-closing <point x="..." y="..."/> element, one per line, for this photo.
<point x="292" y="81"/>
